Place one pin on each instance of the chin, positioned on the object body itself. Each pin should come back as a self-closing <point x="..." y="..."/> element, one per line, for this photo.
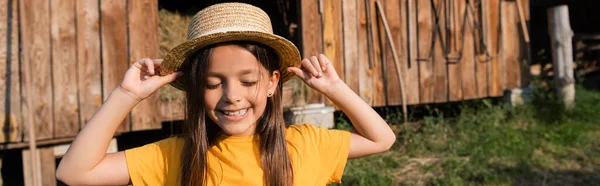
<point x="237" y="129"/>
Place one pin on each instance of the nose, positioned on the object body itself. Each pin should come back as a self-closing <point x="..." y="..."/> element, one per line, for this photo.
<point x="232" y="93"/>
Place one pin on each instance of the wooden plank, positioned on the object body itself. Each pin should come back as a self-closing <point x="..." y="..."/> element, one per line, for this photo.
<point x="492" y="35"/>
<point x="312" y="41"/>
<point x="88" y="57"/>
<point x="392" y="12"/>
<point x="376" y="33"/>
<point x="511" y="45"/>
<point x="64" y="69"/>
<point x="9" y="65"/>
<point x="410" y="39"/>
<point x="481" y="60"/>
<point x="20" y="145"/>
<point x="440" y="65"/>
<point x="424" y="39"/>
<point x="36" y="65"/>
<point x="350" y="42"/>
<point x="28" y="172"/>
<point x="469" y="78"/>
<point x="143" y="43"/>
<point x="113" y="17"/>
<point x="365" y="88"/>
<point x="332" y="36"/>
<point x="46" y="166"/>
<point x="48" y="163"/>
<point x="455" y="46"/>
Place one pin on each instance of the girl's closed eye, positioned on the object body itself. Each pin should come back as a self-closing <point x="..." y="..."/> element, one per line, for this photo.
<point x="212" y="86"/>
<point x="249" y="83"/>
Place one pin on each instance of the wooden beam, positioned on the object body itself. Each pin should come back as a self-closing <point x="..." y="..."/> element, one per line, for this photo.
<point x="440" y="65"/>
<point x="350" y="42"/>
<point x="561" y="36"/>
<point x="332" y="36"/>
<point x="410" y="39"/>
<point x="469" y="76"/>
<point x="113" y="16"/>
<point x="64" y="68"/>
<point x="88" y="58"/>
<point x="393" y="50"/>
<point x="45" y="163"/>
<point x="481" y="59"/>
<point x="312" y="38"/>
<point x="492" y="35"/>
<point x="36" y="68"/>
<point x="143" y="43"/>
<point x="456" y="48"/>
<point x="424" y="29"/>
<point x="376" y="39"/>
<point x="365" y="87"/>
<point x="511" y="45"/>
<point x="10" y="94"/>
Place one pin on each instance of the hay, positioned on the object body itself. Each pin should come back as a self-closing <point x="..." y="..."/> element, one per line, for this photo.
<point x="172" y="30"/>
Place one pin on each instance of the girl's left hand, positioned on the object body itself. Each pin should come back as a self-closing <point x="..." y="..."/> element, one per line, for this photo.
<point x="318" y="73"/>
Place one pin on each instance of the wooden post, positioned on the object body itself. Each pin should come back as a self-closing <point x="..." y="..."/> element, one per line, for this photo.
<point x="562" y="53"/>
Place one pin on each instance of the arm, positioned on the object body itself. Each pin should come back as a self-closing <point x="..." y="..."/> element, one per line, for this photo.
<point x="374" y="134"/>
<point x="86" y="162"/>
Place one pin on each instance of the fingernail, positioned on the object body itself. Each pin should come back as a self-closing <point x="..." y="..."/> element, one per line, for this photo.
<point x="320" y="74"/>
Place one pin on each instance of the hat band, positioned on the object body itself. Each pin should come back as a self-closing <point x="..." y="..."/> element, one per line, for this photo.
<point x="229" y="29"/>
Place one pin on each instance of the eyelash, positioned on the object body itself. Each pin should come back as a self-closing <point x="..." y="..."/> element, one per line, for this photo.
<point x="247" y="84"/>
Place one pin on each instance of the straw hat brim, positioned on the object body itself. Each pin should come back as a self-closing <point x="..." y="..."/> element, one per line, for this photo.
<point x="288" y="53"/>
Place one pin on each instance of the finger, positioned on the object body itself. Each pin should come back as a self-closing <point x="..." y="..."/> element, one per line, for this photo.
<point x="299" y="72"/>
<point x="149" y="64"/>
<point x="169" y="78"/>
<point x="157" y="62"/>
<point x="307" y="65"/>
<point x="315" y="62"/>
<point x="324" y="62"/>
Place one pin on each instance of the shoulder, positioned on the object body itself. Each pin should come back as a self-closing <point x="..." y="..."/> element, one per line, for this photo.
<point x="300" y="130"/>
<point x="164" y="147"/>
<point x="309" y="132"/>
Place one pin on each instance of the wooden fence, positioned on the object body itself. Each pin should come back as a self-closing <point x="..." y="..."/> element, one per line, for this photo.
<point x="450" y="50"/>
<point x="64" y="57"/>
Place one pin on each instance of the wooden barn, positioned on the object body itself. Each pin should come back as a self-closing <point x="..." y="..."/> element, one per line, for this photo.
<point x="60" y="59"/>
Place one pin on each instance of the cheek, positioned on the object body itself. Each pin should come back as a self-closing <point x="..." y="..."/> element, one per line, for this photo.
<point x="211" y="98"/>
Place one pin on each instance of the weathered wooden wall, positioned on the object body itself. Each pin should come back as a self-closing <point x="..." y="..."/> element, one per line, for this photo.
<point x="449" y="50"/>
<point x="69" y="55"/>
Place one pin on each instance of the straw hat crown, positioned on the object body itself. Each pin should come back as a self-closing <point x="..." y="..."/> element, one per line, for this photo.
<point x="230" y="22"/>
<point x="229" y="17"/>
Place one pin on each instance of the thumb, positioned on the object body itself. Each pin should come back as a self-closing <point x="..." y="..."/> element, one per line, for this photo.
<point x="169" y="78"/>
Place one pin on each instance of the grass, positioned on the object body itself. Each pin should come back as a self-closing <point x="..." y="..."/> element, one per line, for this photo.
<point x="487" y="143"/>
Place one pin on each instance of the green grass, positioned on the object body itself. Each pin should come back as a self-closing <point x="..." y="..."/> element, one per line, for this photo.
<point x="491" y="144"/>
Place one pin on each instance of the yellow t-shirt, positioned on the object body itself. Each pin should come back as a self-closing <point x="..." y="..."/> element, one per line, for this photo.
<point x="318" y="157"/>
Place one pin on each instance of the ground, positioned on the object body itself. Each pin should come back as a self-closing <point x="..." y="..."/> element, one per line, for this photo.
<point x="485" y="142"/>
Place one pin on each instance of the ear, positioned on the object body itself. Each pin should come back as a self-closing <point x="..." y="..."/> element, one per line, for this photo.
<point x="274" y="81"/>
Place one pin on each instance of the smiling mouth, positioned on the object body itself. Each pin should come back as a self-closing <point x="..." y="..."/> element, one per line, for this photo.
<point x="234" y="113"/>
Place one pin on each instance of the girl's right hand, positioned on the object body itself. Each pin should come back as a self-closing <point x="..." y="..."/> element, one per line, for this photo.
<point x="142" y="78"/>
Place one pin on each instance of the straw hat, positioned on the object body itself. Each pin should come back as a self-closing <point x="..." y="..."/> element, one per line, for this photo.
<point x="230" y="22"/>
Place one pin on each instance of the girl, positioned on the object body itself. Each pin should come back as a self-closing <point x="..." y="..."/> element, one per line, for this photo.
<point x="232" y="70"/>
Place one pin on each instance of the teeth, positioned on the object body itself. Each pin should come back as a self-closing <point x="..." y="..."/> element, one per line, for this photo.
<point x="236" y="113"/>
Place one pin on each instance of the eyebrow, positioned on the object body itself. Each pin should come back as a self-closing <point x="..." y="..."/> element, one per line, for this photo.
<point x="243" y="72"/>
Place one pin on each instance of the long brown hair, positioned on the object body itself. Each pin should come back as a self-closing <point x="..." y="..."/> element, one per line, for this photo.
<point x="201" y="133"/>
